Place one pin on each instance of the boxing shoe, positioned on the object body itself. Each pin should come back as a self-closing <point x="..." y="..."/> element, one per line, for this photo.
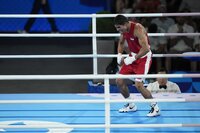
<point x="128" y="108"/>
<point x="155" y="111"/>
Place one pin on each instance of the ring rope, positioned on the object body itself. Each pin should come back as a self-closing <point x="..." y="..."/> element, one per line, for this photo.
<point x="90" y="35"/>
<point x="102" y="126"/>
<point x="92" y="56"/>
<point x="95" y="15"/>
<point x="95" y="101"/>
<point x="93" y="76"/>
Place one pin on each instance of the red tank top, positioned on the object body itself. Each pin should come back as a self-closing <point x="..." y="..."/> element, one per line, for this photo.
<point x="132" y="40"/>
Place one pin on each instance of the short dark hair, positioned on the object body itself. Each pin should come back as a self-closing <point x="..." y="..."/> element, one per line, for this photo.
<point x="120" y="20"/>
<point x="163" y="70"/>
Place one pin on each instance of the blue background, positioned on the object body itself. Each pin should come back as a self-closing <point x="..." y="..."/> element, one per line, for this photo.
<point x="57" y="7"/>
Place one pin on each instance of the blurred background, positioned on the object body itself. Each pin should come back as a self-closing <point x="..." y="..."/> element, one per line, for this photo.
<point x="67" y="45"/>
<point x="57" y="7"/>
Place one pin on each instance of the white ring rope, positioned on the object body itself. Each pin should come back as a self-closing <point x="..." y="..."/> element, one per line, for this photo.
<point x="92" y="56"/>
<point x="92" y="76"/>
<point x="101" y="126"/>
<point x="91" y="35"/>
<point x="94" y="101"/>
<point x="95" y="15"/>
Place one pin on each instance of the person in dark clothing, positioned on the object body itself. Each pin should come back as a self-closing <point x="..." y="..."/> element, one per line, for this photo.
<point x="37" y="5"/>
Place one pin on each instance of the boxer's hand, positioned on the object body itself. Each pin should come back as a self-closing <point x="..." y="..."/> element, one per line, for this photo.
<point x="130" y="59"/>
<point x="119" y="58"/>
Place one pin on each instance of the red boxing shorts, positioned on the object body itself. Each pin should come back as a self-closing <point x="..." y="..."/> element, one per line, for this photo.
<point x="140" y="66"/>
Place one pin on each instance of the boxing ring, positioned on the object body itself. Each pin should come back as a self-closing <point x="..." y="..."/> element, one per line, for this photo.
<point x="87" y="113"/>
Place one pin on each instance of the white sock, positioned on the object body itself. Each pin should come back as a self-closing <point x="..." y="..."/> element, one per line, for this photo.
<point x="130" y="103"/>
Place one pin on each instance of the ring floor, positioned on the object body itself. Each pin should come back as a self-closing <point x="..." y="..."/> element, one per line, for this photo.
<point x="81" y="113"/>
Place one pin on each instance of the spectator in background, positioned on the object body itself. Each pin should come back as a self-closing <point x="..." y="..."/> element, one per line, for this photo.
<point x="119" y="6"/>
<point x="180" y="44"/>
<point x="123" y="6"/>
<point x="148" y="6"/>
<point x="163" y="85"/>
<point x="158" y="45"/>
<point x="163" y="22"/>
<point x="197" y="44"/>
<point x="173" y="5"/>
<point x="192" y="5"/>
<point x="37" y="5"/>
<point x="190" y="20"/>
<point x="128" y="6"/>
<point x="196" y="64"/>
